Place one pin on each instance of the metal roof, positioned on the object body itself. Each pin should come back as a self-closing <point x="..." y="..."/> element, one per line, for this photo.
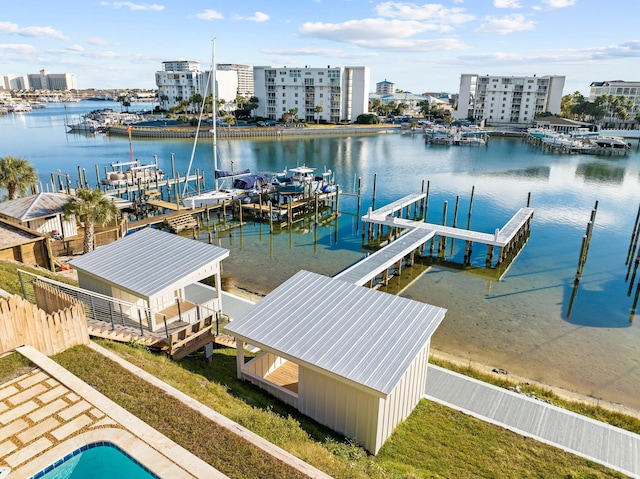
<point x="149" y="261"/>
<point x="366" y="336"/>
<point x="34" y="206"/>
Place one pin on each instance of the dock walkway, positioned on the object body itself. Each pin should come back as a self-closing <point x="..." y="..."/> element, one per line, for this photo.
<point x="367" y="269"/>
<point x="608" y="445"/>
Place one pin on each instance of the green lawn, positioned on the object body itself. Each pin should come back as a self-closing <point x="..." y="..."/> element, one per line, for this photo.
<point x="434" y="442"/>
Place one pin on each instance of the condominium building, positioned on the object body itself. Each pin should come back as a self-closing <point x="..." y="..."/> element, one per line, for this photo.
<point x="508" y="100"/>
<point x="342" y="93"/>
<point x="245" y="77"/>
<point x="13" y="82"/>
<point x="180" y="80"/>
<point x="51" y="81"/>
<point x="385" y="88"/>
<point x="628" y="89"/>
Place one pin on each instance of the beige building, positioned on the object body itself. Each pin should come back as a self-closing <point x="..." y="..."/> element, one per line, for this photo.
<point x="508" y="100"/>
<point x="341" y="92"/>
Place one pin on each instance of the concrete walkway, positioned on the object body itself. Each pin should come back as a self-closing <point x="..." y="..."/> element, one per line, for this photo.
<point x="594" y="440"/>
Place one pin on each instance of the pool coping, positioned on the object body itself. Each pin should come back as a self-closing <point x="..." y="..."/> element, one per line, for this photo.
<point x="153" y="450"/>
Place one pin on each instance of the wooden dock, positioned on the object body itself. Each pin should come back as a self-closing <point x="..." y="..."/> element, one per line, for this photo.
<point x="415" y="234"/>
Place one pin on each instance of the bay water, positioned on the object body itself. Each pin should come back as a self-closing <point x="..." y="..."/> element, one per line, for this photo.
<point x="532" y="322"/>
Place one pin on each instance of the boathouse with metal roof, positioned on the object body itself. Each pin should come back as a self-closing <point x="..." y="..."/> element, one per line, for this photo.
<point x="352" y="358"/>
<point x="158" y="274"/>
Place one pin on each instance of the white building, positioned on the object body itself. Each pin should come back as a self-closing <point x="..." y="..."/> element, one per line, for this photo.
<point x="51" y="81"/>
<point x="14" y="82"/>
<point x="180" y="80"/>
<point x="411" y="100"/>
<point x="385" y="88"/>
<point x="628" y="89"/>
<point x="349" y="357"/>
<point x="341" y="92"/>
<point x="245" y="77"/>
<point x="508" y="100"/>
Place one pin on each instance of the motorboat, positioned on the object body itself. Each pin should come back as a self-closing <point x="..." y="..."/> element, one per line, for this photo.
<point x="131" y="173"/>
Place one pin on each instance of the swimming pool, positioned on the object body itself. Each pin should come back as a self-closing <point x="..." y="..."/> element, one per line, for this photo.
<point x="98" y="460"/>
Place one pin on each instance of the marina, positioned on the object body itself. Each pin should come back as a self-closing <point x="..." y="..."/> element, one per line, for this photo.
<point x="518" y="321"/>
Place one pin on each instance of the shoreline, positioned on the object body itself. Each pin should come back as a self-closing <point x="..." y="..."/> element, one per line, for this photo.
<point x="458" y="359"/>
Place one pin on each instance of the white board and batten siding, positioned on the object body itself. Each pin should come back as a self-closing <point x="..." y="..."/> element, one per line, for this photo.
<point x="362" y="354"/>
<point x="360" y="415"/>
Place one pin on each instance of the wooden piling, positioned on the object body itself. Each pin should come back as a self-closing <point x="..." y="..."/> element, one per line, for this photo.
<point x="634" y="238"/>
<point x="373" y="199"/>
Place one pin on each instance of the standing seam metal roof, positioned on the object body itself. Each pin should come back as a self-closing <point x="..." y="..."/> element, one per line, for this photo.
<point x="149" y="261"/>
<point x="363" y="335"/>
<point x="33" y="207"/>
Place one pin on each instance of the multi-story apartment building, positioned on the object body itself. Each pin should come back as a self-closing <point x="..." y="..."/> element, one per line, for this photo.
<point x="13" y="82"/>
<point x="245" y="77"/>
<point x="628" y="89"/>
<point x="385" y="88"/>
<point x="508" y="100"/>
<point x="180" y="80"/>
<point x="341" y="92"/>
<point x="51" y="81"/>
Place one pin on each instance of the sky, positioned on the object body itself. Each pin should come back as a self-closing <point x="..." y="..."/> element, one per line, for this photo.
<point x="420" y="47"/>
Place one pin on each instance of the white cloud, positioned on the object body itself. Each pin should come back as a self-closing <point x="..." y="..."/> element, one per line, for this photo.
<point x="134" y="6"/>
<point x="209" y="15"/>
<point x="429" y="11"/>
<point x="258" y="17"/>
<point x="363" y="30"/>
<point x="401" y="45"/>
<point x="320" y="52"/>
<point x="505" y="25"/>
<point x="507" y="4"/>
<point x="40" y="32"/>
<point x="98" y="41"/>
<point x="559" y="3"/>
<point x="21" y="48"/>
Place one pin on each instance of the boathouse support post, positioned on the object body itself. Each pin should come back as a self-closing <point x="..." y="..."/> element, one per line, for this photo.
<point x="360" y="197"/>
<point x="373" y="199"/>
<point x="489" y="255"/>
<point x="337" y="208"/>
<point x="634" y="238"/>
<point x="316" y="210"/>
<point x="426" y="203"/>
<point x="240" y="212"/>
<point x="443" y="239"/>
<point x="270" y="217"/>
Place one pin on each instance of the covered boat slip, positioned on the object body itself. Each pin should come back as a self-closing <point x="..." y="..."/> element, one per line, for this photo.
<point x="361" y="355"/>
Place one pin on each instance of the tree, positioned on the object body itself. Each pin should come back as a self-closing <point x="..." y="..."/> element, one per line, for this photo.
<point x="90" y="206"/>
<point x="196" y="99"/>
<point x="318" y="109"/>
<point x="17" y="175"/>
<point x="367" y="119"/>
<point x="294" y="113"/>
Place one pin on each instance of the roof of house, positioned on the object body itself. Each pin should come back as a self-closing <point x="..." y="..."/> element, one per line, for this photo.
<point x="149" y="261"/>
<point x="34" y="206"/>
<point x="359" y="334"/>
<point x="13" y="234"/>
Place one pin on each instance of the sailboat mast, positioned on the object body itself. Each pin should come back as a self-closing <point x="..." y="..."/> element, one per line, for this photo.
<point x="214" y="115"/>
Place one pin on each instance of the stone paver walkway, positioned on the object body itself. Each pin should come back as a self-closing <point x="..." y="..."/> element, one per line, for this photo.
<point x="45" y="415"/>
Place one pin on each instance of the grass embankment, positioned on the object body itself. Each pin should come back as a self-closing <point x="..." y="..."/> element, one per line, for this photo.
<point x="434" y="442"/>
<point x="10" y="281"/>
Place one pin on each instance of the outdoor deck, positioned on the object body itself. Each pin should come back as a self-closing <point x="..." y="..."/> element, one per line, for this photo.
<point x="580" y="435"/>
<point x="285" y="376"/>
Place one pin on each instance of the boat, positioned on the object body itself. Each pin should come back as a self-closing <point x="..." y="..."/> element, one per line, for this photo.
<point x="243" y="186"/>
<point x="86" y="125"/>
<point x="612" y="142"/>
<point x="304" y="181"/>
<point x="131" y="173"/>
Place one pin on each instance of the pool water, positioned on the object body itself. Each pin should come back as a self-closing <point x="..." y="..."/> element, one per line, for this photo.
<point x="101" y="460"/>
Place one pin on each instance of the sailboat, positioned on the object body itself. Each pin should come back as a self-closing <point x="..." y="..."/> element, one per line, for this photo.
<point x="244" y="186"/>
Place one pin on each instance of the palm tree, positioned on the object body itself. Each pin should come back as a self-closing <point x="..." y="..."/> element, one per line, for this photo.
<point x="17" y="175"/>
<point x="294" y="113"/>
<point x="318" y="109"/>
<point x="90" y="206"/>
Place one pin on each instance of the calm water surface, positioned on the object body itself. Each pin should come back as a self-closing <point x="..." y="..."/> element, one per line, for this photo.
<point x="520" y="323"/>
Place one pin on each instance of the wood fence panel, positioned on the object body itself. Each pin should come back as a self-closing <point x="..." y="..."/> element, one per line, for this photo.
<point x="56" y="324"/>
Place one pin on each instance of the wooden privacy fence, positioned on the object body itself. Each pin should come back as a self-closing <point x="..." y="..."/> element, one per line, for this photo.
<point x="57" y="323"/>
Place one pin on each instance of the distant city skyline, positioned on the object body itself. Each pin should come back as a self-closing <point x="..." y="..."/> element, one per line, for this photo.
<point x="418" y="46"/>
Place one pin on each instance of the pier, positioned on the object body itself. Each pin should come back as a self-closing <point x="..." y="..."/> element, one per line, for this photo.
<point x="415" y="234"/>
